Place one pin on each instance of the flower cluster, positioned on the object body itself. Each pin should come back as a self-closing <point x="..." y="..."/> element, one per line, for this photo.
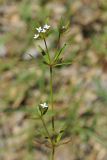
<point x="41" y="30"/>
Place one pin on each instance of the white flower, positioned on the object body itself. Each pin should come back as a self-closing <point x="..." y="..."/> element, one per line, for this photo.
<point x="43" y="31"/>
<point x="46" y="26"/>
<point x="36" y="36"/>
<point x="44" y="105"/>
<point x="39" y="29"/>
<point x="63" y="27"/>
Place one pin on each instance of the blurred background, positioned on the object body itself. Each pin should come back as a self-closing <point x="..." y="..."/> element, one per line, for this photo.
<point x="80" y="89"/>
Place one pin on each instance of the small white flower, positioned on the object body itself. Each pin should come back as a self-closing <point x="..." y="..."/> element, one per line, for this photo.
<point x="46" y="26"/>
<point x="36" y="36"/>
<point x="43" y="31"/>
<point x="63" y="27"/>
<point x="39" y="29"/>
<point x="44" y="105"/>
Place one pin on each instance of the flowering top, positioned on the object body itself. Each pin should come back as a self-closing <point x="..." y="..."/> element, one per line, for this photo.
<point x="44" y="105"/>
<point x="41" y="30"/>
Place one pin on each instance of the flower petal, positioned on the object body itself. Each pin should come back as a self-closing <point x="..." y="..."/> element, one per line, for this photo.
<point x="36" y="36"/>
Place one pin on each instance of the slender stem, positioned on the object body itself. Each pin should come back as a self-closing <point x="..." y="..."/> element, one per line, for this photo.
<point x="51" y="101"/>
<point x="45" y="127"/>
<point x="58" y="43"/>
<point x="51" y="97"/>
<point x="47" y="49"/>
<point x="53" y="152"/>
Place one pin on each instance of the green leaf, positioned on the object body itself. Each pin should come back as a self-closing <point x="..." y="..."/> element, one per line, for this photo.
<point x="59" y="53"/>
<point x="44" y="54"/>
<point x="42" y="51"/>
<point x="62" y="64"/>
<point x="46" y="59"/>
<point x="59" y="136"/>
<point x="45" y="62"/>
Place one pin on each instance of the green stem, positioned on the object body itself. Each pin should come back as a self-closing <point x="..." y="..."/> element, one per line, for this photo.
<point x="51" y="97"/>
<point x="45" y="127"/>
<point x="58" y="43"/>
<point x="53" y="152"/>
<point x="51" y="101"/>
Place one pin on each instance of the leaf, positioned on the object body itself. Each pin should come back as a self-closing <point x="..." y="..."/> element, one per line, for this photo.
<point x="45" y="62"/>
<point x="42" y="51"/>
<point x="44" y="54"/>
<point x="46" y="58"/>
<point x="62" y="64"/>
<point x="59" y="53"/>
<point x="59" y="136"/>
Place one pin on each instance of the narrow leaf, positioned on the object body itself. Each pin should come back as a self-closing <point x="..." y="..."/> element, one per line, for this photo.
<point x="59" y="53"/>
<point x="62" y="64"/>
<point x="42" y="51"/>
<point x="44" y="54"/>
<point x="45" y="62"/>
<point x="59" y="136"/>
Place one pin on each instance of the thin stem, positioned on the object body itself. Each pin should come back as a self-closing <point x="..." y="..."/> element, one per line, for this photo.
<point x="45" y="127"/>
<point x="53" y="152"/>
<point x="58" y="43"/>
<point x="47" y="49"/>
<point x="51" y="97"/>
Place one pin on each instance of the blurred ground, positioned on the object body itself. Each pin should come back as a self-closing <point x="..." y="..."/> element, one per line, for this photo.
<point x="80" y="89"/>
